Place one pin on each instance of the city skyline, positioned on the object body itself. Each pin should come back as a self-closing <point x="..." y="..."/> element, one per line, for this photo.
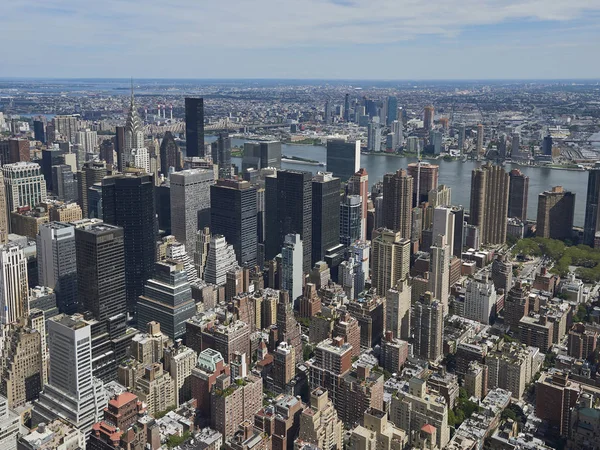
<point x="315" y="40"/>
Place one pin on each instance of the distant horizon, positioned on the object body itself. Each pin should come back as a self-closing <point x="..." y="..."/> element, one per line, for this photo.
<point x="390" y="80"/>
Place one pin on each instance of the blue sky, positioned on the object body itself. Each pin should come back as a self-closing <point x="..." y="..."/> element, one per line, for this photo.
<point x="349" y="39"/>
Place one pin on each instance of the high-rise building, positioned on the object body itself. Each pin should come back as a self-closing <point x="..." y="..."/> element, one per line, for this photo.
<point x="397" y="202"/>
<point x="547" y="145"/>
<point x="92" y="172"/>
<point x="52" y="156"/>
<point x="24" y="185"/>
<point x="350" y="219"/>
<point x="392" y="110"/>
<point x="167" y="299"/>
<point x="39" y="131"/>
<point x="87" y="140"/>
<point x="358" y="184"/>
<point x="288" y="202"/>
<point x="179" y="362"/>
<point x="428" y="117"/>
<point x="556" y="209"/>
<point x="428" y="180"/>
<point x="190" y="204"/>
<point x="64" y="183"/>
<point x="458" y="213"/>
<point x="516" y="147"/>
<point x="21" y="364"/>
<point x="284" y="366"/>
<point x="57" y="263"/>
<point x="517" y="195"/>
<point x="461" y="137"/>
<point x="435" y="141"/>
<point x="592" y="203"/>
<point x="220" y="259"/>
<point x="72" y="393"/>
<point x="233" y="214"/>
<point x="480" y="301"/>
<point x="489" y="203"/>
<point x="260" y="155"/>
<point x="326" y="214"/>
<point x="555" y="398"/>
<point x="100" y="258"/>
<point x="502" y="270"/>
<point x="319" y="423"/>
<point x="439" y="275"/>
<point x="194" y="126"/>
<point x="221" y="155"/>
<point x="343" y="158"/>
<point x="18" y="151"/>
<point x="170" y="155"/>
<point x="14" y="288"/>
<point x="377" y="432"/>
<point x="516" y="305"/>
<point x="135" y="153"/>
<point x="398" y="302"/>
<point x="347" y="108"/>
<point x="66" y="126"/>
<point x="3" y="211"/>
<point x="391" y="260"/>
<point x="428" y="324"/>
<point x="421" y="414"/>
<point x="479" y="148"/>
<point x="443" y="224"/>
<point x="374" y="136"/>
<point x="128" y="202"/>
<point x="291" y="266"/>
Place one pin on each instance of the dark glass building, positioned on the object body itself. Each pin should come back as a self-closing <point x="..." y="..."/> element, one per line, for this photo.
<point x="170" y="156"/>
<point x="39" y="131"/>
<point x="392" y="110"/>
<point x="326" y="214"/>
<point x="163" y="207"/>
<point x="591" y="205"/>
<point x="128" y="201"/>
<point x="547" y="145"/>
<point x="233" y="214"/>
<point x="64" y="183"/>
<point x="100" y="253"/>
<point x="221" y="155"/>
<point x="91" y="172"/>
<point x="517" y="195"/>
<point x="260" y="155"/>
<point x="343" y="158"/>
<point x="288" y="203"/>
<point x="120" y="146"/>
<point x="51" y="157"/>
<point x="194" y="126"/>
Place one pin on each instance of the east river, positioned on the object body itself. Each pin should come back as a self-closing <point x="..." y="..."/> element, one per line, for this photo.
<point x="455" y="174"/>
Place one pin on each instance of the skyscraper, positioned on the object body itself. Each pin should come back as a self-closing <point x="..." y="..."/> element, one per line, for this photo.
<point x="428" y="118"/>
<point x="516" y="147"/>
<point x="24" y="184"/>
<point x="135" y="154"/>
<point x="397" y="202"/>
<point x="291" y="266"/>
<point x="391" y="260"/>
<point x="170" y="155"/>
<point x="92" y="172"/>
<point x="343" y="158"/>
<point x="57" y="263"/>
<point x="556" y="209"/>
<point x="374" y="137"/>
<point x="52" y="156"/>
<point x="350" y="219"/>
<point x="221" y="154"/>
<point x="167" y="299"/>
<point x="547" y="145"/>
<point x="233" y="214"/>
<point x="517" y="196"/>
<point x="592" y="210"/>
<point x="14" y="289"/>
<point x="480" y="301"/>
<point x="347" y="108"/>
<point x="3" y="211"/>
<point x="443" y="224"/>
<point x="392" y="109"/>
<point x="39" y="131"/>
<point x="479" y="149"/>
<point x="220" y="259"/>
<point x="100" y="268"/>
<point x="260" y="155"/>
<point x="326" y="214"/>
<point x="289" y="211"/>
<point x="428" y="322"/>
<point x="358" y="184"/>
<point x="427" y="180"/>
<point x="190" y="204"/>
<point x="128" y="202"/>
<point x="489" y="203"/>
<point x="439" y="275"/>
<point x="194" y="126"/>
<point x="461" y="137"/>
<point x="72" y="393"/>
<point x="64" y="183"/>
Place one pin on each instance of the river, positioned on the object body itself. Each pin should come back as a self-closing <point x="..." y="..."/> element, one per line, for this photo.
<point x="455" y="174"/>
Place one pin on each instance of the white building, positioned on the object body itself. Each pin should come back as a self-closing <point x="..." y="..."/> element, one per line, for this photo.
<point x="291" y="266"/>
<point x="14" y="289"/>
<point x="443" y="223"/>
<point x="220" y="260"/>
<point x="480" y="300"/>
<point x="9" y="426"/>
<point x="24" y="184"/>
<point x="88" y="140"/>
<point x="439" y="276"/>
<point x="72" y="393"/>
